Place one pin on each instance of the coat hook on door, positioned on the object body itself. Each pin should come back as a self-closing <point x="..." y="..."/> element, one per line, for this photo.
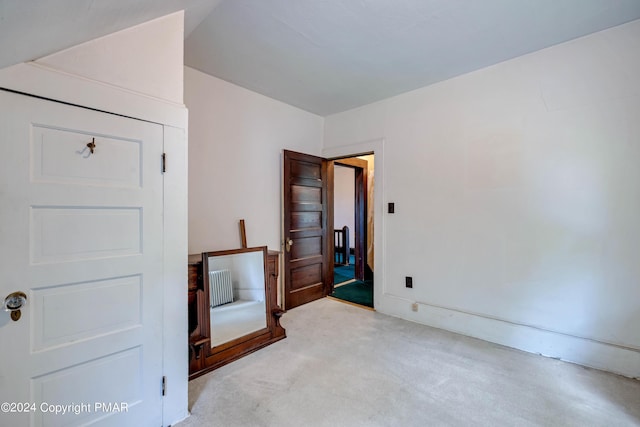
<point x="92" y="145"/>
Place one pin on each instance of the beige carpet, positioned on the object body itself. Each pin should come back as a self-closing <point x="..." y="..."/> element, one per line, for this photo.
<point x="345" y="366"/>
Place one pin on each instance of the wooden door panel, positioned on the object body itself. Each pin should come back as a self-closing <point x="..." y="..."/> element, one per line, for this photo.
<point x="63" y="233"/>
<point x="305" y="295"/>
<point x="85" y="245"/>
<point x="306" y="170"/>
<point x="89" y="382"/>
<point x="307" y="247"/>
<point x="306" y="275"/>
<point x="306" y="220"/>
<point x="118" y="164"/>
<point x="301" y="194"/>
<point x="119" y="308"/>
<point x="306" y="227"/>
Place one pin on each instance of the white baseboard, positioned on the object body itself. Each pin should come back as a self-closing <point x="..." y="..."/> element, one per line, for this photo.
<point x="583" y="351"/>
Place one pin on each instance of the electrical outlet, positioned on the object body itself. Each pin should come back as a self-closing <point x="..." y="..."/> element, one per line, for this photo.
<point x="408" y="282"/>
<point x="414" y="306"/>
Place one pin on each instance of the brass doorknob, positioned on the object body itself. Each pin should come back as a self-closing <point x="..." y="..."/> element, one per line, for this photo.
<point x="288" y="244"/>
<point x="13" y="303"/>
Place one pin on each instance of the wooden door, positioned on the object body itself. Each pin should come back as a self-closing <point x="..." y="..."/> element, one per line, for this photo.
<point x="307" y="266"/>
<point x="82" y="237"/>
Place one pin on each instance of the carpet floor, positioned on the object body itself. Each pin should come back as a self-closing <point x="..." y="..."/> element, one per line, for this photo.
<point x="344" y="366"/>
<point x="344" y="273"/>
<point x="338" y="277"/>
<point x="357" y="292"/>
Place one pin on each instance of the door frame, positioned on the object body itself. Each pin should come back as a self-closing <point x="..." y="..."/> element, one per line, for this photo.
<point x="360" y="167"/>
<point x="375" y="147"/>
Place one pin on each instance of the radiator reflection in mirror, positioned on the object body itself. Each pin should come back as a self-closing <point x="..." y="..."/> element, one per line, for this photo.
<point x="236" y="295"/>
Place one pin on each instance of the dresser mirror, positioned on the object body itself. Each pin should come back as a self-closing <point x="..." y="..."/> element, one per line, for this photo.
<point x="236" y="283"/>
<point x="233" y="307"/>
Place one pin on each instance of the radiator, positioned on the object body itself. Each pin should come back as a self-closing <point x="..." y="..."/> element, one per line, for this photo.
<point x="220" y="287"/>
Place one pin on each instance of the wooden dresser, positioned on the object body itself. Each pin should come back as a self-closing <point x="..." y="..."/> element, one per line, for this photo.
<point x="202" y="358"/>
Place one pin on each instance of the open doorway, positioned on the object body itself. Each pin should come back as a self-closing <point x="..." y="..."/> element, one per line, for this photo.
<point x="308" y="228"/>
<point x="353" y="186"/>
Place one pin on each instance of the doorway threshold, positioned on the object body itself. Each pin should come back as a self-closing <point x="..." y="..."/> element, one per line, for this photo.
<point x="351" y="303"/>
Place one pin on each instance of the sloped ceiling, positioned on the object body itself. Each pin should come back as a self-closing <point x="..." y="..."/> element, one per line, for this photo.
<point x="31" y="29"/>
<point x="324" y="56"/>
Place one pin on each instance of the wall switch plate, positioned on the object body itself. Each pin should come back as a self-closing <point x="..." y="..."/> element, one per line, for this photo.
<point x="408" y="282"/>
<point x="392" y="207"/>
<point x="414" y="306"/>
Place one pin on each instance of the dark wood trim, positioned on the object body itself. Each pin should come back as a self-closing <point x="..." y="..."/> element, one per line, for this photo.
<point x="243" y="234"/>
<point x="353" y="162"/>
<point x="328" y="251"/>
<point x="360" y="167"/>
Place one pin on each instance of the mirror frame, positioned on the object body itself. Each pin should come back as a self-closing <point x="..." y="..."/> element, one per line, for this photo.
<point x="220" y="355"/>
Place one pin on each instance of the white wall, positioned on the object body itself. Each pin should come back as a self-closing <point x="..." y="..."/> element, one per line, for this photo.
<point x="344" y="202"/>
<point x="147" y="58"/>
<point x="78" y="85"/>
<point x="516" y="191"/>
<point x="235" y="161"/>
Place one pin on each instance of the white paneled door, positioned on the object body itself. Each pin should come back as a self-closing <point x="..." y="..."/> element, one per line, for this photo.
<point x="81" y="237"/>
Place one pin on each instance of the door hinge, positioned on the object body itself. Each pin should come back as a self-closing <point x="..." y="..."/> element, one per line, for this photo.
<point x="164" y="385"/>
<point x="164" y="162"/>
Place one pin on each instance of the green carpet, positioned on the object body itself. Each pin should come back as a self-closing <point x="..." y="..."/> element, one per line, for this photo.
<point x="357" y="292"/>
<point x="338" y="277"/>
<point x="343" y="273"/>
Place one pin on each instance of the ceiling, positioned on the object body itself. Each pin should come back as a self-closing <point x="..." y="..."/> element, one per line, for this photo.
<point x="324" y="56"/>
<point x="31" y="29"/>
